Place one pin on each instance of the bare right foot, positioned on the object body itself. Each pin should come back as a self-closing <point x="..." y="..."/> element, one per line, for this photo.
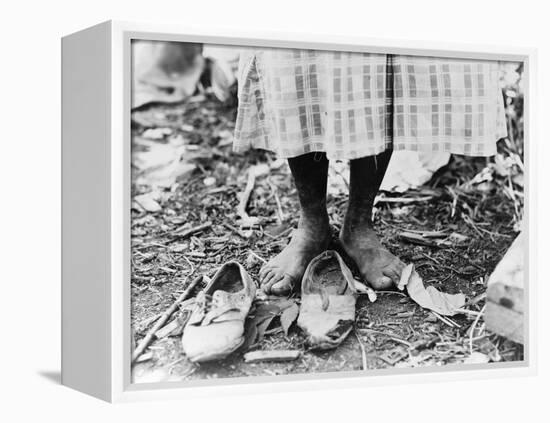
<point x="284" y="272"/>
<point x="380" y="268"/>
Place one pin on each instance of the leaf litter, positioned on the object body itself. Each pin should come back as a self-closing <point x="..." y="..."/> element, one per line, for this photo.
<point x="463" y="229"/>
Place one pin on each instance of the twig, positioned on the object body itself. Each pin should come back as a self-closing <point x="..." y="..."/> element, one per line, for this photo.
<point x="146" y="322"/>
<point x="235" y="230"/>
<point x="477" y="299"/>
<point x="245" y="195"/>
<point x="341" y="175"/>
<point x="403" y="200"/>
<point x="470" y="222"/>
<point x="257" y="256"/>
<point x="275" y="237"/>
<point x="273" y="355"/>
<point x="144" y="343"/>
<point x="473" y="328"/>
<point x="280" y="214"/>
<point x="466" y="311"/>
<point x="190" y="264"/>
<point x="190" y="231"/>
<point x="389" y="335"/>
<point x="392" y="292"/>
<point x="448" y="322"/>
<point x="363" y="351"/>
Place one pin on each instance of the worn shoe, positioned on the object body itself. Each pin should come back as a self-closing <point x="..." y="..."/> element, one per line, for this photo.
<point x="216" y="326"/>
<point x="327" y="311"/>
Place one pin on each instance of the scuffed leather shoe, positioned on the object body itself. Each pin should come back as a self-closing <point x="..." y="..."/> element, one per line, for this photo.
<point x="327" y="311"/>
<point x="216" y="326"/>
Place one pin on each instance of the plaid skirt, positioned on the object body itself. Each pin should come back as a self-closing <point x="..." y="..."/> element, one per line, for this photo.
<point x="352" y="105"/>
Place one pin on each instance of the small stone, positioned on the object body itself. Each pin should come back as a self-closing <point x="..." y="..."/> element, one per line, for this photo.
<point x="209" y="181"/>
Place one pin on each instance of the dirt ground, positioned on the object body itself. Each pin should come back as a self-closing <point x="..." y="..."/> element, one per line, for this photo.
<point x="391" y="332"/>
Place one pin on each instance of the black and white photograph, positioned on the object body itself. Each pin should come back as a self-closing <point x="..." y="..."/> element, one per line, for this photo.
<point x="298" y="211"/>
<point x="275" y="212"/>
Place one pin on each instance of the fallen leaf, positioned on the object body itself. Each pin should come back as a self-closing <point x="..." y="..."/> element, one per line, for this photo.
<point x="394" y="355"/>
<point x="261" y="169"/>
<point x="418" y="239"/>
<point x="431" y="298"/>
<point x="476" y="358"/>
<point x="264" y="313"/>
<point x="156" y="133"/>
<point x="148" y="202"/>
<point x="405" y="276"/>
<point x="468" y="270"/>
<point x="288" y="317"/>
<point x="144" y="357"/>
<point x="251" y="333"/>
<point x="262" y="327"/>
<point x="364" y="289"/>
<point x="457" y="238"/>
<point x="174" y="328"/>
<point x="251" y="260"/>
<point x="518" y="180"/>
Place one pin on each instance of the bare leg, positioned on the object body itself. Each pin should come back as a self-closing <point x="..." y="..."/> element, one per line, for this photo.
<point x="285" y="271"/>
<point x="377" y="265"/>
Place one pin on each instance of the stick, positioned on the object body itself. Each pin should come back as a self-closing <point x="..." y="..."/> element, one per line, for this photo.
<point x="257" y="256"/>
<point x="448" y="322"/>
<point x="245" y="196"/>
<point x="280" y="214"/>
<point x="235" y="230"/>
<point x="477" y="299"/>
<point x="466" y="311"/>
<point x="149" y="320"/>
<point x="275" y="355"/>
<point x="185" y="233"/>
<point x="473" y="328"/>
<point x="144" y="343"/>
<point x="363" y="352"/>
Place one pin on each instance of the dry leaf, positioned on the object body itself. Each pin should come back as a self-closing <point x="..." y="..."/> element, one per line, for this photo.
<point x="289" y="315"/>
<point x="251" y="333"/>
<point x="262" y="327"/>
<point x="364" y="289"/>
<point x="405" y="276"/>
<point x="148" y="202"/>
<point x="457" y="238"/>
<point x="156" y="133"/>
<point x="431" y="298"/>
<point x="262" y="317"/>
<point x="476" y="358"/>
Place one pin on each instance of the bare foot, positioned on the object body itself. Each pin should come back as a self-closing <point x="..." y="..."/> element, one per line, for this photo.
<point x="284" y="272"/>
<point x="380" y="268"/>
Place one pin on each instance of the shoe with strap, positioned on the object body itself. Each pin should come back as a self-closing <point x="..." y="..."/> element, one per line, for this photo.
<point x="216" y="326"/>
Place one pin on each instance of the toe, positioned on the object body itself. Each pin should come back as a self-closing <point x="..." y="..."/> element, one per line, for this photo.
<point x="268" y="282"/>
<point x="265" y="276"/>
<point x="392" y="272"/>
<point x="282" y="287"/>
<point x="400" y="265"/>
<point x="383" y="282"/>
<point x="377" y="279"/>
<point x="263" y="271"/>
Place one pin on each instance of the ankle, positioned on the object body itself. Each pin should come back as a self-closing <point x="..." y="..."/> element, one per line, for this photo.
<point x="316" y="222"/>
<point x="358" y="218"/>
<point x="355" y="225"/>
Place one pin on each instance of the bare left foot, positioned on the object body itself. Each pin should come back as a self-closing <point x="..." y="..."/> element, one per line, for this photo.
<point x="380" y="268"/>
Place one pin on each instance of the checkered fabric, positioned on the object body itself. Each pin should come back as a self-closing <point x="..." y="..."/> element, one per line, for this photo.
<point x="352" y="105"/>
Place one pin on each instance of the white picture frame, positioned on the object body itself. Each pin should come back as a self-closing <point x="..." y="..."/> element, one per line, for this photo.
<point x="96" y="212"/>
